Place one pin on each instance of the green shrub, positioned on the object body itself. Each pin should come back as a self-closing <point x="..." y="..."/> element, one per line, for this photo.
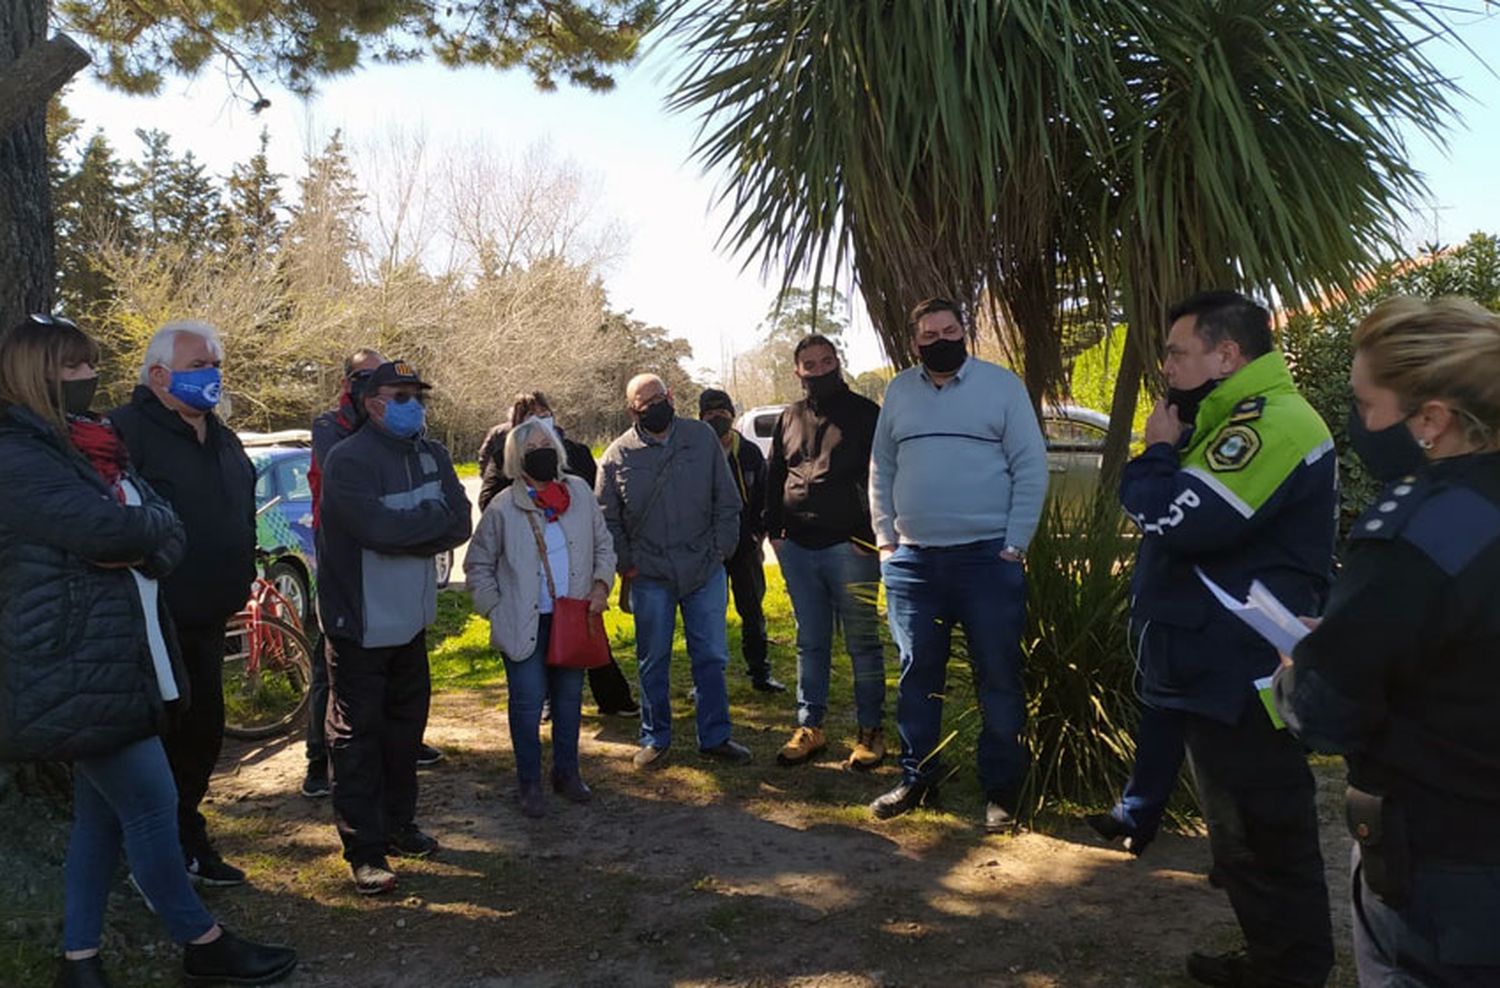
<point x="1318" y="345"/>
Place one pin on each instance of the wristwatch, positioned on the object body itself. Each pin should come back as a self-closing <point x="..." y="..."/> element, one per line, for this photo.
<point x="1016" y="551"/>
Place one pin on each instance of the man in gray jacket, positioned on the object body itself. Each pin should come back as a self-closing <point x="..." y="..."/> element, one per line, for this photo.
<point x="673" y="510"/>
<point x="391" y="501"/>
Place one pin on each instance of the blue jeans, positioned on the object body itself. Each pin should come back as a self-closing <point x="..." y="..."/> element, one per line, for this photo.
<point x="1443" y="935"/>
<point x="835" y="584"/>
<point x="703" y="624"/>
<point x="530" y="682"/>
<point x="927" y="592"/>
<point x="1159" y="751"/>
<point x="127" y="796"/>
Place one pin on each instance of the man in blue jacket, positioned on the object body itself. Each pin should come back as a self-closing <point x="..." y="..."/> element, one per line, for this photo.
<point x="391" y="501"/>
<point x="1238" y="480"/>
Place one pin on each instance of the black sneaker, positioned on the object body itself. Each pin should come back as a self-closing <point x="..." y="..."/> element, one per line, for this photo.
<point x="629" y="709"/>
<point x="205" y="867"/>
<point x="730" y="751"/>
<point x="999" y="818"/>
<point x="410" y="842"/>
<point x="87" y="973"/>
<point x="1111" y="828"/>
<point x="1232" y="970"/>
<point x="427" y="755"/>
<point x="768" y="684"/>
<point x="315" y="783"/>
<point x="236" y="961"/>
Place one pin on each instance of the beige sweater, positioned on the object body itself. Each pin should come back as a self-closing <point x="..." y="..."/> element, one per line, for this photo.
<point x="503" y="568"/>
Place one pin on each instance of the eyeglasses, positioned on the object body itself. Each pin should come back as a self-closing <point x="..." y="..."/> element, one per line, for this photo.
<point x="43" y="319"/>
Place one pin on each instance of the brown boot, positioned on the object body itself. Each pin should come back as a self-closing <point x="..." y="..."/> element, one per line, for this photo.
<point x="805" y="743"/>
<point x="869" y="749"/>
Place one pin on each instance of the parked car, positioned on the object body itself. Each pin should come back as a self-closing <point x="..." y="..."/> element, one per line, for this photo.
<point x="1074" y="434"/>
<point x="285" y="532"/>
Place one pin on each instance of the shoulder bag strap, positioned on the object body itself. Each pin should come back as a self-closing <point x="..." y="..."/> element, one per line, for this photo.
<point x="661" y="482"/>
<point x="541" y="548"/>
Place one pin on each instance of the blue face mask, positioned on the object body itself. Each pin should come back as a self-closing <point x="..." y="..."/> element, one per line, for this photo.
<point x="404" y="419"/>
<point x="197" y="388"/>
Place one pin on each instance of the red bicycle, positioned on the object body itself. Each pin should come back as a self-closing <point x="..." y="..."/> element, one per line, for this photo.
<point x="267" y="665"/>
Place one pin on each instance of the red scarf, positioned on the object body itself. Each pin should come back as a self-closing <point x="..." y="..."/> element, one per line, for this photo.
<point x="552" y="498"/>
<point x="96" y="439"/>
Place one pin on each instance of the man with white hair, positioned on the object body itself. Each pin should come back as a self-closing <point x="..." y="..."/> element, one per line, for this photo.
<point x="196" y="462"/>
<point x="674" y="512"/>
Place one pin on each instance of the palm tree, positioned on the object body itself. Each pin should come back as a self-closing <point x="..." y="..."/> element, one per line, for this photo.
<point x="1031" y="156"/>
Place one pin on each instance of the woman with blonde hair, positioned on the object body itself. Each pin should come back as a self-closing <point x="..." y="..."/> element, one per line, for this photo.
<point x="1402" y="675"/>
<point x="88" y="658"/>
<point x="542" y="537"/>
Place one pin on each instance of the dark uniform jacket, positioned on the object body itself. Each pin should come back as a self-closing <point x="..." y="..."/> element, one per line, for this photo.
<point x="389" y="506"/>
<point x="819" y="471"/>
<point x="211" y="486"/>
<point x="1403" y="675"/>
<point x="1251" y="495"/>
<point x="748" y="467"/>
<point x="76" y="676"/>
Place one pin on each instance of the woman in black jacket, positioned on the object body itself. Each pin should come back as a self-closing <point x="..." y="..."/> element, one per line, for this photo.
<point x="87" y="670"/>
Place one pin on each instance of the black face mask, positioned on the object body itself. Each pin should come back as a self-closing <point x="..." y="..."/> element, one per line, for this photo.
<point x="1187" y="402"/>
<point x="824" y="385"/>
<point x="721" y="425"/>
<point x="658" y="417"/>
<point x="1390" y="453"/>
<point x="943" y="356"/>
<point x="540" y="464"/>
<point x="78" y="396"/>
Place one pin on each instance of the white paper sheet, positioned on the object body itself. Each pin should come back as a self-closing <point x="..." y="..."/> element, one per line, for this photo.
<point x="1267" y="616"/>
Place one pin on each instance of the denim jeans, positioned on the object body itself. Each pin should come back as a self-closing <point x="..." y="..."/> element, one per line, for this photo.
<point x="835" y="584"/>
<point x="927" y="592"/>
<point x="704" y="626"/>
<point x="1159" y="753"/>
<point x="127" y="796"/>
<point x="528" y="683"/>
<point x="1443" y="935"/>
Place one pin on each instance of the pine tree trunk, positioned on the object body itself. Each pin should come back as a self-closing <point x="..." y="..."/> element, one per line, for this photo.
<point x="27" y="259"/>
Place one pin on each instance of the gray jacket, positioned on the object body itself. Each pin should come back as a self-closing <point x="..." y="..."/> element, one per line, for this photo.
<point x="683" y="532"/>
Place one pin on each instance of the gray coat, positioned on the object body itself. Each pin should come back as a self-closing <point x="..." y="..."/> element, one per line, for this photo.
<point x="681" y="534"/>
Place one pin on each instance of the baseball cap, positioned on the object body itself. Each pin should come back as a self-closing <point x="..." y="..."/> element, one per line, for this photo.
<point x="394" y="372"/>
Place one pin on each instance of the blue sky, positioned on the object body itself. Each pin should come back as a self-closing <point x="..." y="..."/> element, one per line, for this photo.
<point x="671" y="273"/>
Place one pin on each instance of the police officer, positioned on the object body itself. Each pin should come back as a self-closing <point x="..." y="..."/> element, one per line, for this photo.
<point x="1250" y="494"/>
<point x="1402" y="677"/>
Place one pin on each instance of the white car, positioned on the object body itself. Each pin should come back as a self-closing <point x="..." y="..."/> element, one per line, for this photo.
<point x="1075" y="443"/>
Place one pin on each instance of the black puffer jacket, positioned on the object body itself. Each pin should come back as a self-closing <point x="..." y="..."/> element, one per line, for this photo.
<point x="76" y="676"/>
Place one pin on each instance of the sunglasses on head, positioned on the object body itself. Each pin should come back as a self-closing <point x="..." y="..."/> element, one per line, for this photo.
<point x="43" y="319"/>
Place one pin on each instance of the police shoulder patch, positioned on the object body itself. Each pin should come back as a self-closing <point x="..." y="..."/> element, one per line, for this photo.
<point x="1233" y="448"/>
<point x="1248" y="410"/>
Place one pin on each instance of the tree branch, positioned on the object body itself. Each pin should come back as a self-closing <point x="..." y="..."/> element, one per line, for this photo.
<point x="30" y="81"/>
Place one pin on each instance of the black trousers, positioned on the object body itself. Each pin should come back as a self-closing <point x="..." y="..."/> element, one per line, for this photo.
<point x="1259" y="799"/>
<point x="747" y="582"/>
<point x="377" y="711"/>
<point x="196" y="735"/>
<point x="610" y="688"/>
<point x="317" y="701"/>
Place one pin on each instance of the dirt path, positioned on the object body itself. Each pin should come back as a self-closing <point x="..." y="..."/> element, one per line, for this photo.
<point x="706" y="875"/>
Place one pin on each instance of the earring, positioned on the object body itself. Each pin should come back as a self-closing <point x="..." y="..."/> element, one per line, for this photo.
<point x="1425" y="443"/>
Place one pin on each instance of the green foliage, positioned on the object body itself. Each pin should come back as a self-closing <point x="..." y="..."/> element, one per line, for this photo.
<point x="1317" y="342"/>
<point x="765" y="375"/>
<point x="1020" y="157"/>
<point x="299" y="41"/>
<point x="1093" y="375"/>
<point x="872" y="383"/>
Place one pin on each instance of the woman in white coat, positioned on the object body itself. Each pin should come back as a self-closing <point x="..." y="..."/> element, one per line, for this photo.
<point x="508" y="575"/>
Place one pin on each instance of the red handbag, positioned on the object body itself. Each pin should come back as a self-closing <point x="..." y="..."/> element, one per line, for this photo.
<point x="578" y="639"/>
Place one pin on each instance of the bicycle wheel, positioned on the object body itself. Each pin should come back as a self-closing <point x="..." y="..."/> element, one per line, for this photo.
<point x="267" y="671"/>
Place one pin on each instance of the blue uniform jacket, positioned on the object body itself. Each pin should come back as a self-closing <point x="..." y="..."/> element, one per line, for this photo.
<point x="1251" y="494"/>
